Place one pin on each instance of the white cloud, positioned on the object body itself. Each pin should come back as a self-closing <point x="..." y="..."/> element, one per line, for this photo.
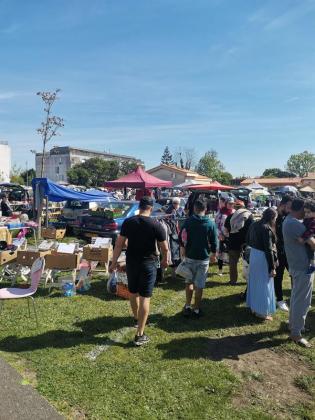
<point x="271" y="20"/>
<point x="13" y="94"/>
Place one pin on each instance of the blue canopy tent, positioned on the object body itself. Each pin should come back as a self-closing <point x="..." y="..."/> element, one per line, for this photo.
<point x="43" y="187"/>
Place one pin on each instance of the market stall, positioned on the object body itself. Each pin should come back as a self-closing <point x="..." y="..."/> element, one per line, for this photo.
<point x="140" y="180"/>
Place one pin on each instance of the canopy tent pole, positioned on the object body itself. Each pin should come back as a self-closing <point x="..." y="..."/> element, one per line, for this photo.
<point x="46" y="219"/>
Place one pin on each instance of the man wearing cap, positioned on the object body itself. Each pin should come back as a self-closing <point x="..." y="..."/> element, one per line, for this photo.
<point x="175" y="208"/>
<point x="236" y="228"/>
<point x="142" y="233"/>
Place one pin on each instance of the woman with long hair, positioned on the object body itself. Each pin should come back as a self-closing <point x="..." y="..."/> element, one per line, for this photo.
<point x="262" y="266"/>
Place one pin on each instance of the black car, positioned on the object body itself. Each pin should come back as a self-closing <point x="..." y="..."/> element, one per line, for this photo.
<point x="107" y="222"/>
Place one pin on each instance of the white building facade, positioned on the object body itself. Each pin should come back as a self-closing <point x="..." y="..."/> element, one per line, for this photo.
<point x="60" y="159"/>
<point x="5" y="161"/>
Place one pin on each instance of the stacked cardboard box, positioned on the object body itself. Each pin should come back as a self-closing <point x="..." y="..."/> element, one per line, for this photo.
<point x="53" y="233"/>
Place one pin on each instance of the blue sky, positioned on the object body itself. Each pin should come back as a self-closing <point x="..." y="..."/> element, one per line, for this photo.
<point x="237" y="76"/>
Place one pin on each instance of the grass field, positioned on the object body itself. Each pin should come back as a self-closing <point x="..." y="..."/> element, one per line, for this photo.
<point x="227" y="365"/>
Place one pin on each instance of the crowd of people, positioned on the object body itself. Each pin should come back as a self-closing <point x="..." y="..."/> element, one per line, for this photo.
<point x="283" y="239"/>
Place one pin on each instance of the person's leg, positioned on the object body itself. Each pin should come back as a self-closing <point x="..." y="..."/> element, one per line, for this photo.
<point x="278" y="280"/>
<point x="147" y="278"/>
<point x="220" y="266"/>
<point x="198" y="297"/>
<point x="189" y="293"/>
<point x="300" y="302"/>
<point x="200" y="279"/>
<point x="134" y="303"/>
<point x="143" y="313"/>
<point x="234" y="256"/>
<point x="133" y="273"/>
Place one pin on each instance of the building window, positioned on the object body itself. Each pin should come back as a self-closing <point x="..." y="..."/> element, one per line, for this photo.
<point x="173" y="175"/>
<point x="57" y="169"/>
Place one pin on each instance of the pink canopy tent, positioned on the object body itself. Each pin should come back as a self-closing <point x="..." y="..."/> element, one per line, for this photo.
<point x="138" y="179"/>
<point x="213" y="186"/>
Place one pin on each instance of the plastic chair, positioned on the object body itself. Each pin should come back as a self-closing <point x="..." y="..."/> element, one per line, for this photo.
<point x="17" y="293"/>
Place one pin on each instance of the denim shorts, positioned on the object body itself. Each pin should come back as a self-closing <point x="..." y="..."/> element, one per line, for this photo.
<point x="141" y="276"/>
<point x="199" y="270"/>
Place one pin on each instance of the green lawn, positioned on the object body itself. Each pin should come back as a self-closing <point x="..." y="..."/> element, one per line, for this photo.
<point x="82" y="360"/>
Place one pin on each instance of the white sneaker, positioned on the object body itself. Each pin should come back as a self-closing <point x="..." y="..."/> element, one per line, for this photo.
<point x="220" y="273"/>
<point x="283" y="306"/>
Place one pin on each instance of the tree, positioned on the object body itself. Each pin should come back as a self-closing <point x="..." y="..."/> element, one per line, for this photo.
<point x="15" y="175"/>
<point x="167" y="158"/>
<point x="94" y="172"/>
<point x="225" y="178"/>
<point x="209" y="165"/>
<point x="185" y="158"/>
<point x="51" y="124"/>
<point x="277" y="173"/>
<point x="302" y="163"/>
<point x="28" y="175"/>
<point x="126" y="167"/>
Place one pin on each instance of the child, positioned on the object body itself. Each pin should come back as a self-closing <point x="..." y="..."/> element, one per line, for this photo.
<point x="309" y="223"/>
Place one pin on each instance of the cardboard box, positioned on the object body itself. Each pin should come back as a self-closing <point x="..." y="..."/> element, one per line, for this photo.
<point x="27" y="257"/>
<point x="7" y="256"/>
<point x="5" y="235"/>
<point x="103" y="254"/>
<point x="59" y="261"/>
<point x="53" y="233"/>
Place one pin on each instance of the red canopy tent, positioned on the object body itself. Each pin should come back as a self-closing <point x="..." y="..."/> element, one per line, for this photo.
<point x="213" y="186"/>
<point x="138" y="179"/>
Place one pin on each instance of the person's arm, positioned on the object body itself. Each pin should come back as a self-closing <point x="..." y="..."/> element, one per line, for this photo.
<point x="213" y="241"/>
<point x="119" y="246"/>
<point x="268" y="249"/>
<point x="164" y="251"/>
<point x="163" y="244"/>
<point x="311" y="243"/>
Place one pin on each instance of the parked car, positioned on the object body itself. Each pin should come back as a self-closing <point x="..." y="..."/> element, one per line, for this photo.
<point x="108" y="225"/>
<point x="73" y="210"/>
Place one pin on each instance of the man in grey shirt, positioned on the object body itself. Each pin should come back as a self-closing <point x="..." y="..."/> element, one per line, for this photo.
<point x="299" y="257"/>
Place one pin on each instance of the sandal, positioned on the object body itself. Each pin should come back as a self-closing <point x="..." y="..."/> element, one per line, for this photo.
<point x="264" y="317"/>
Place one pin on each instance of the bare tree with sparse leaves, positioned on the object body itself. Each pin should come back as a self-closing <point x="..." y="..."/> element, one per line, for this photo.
<point x="51" y="124"/>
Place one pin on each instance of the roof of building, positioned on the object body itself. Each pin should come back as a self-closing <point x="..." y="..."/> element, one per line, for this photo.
<point x="67" y="149"/>
<point x="272" y="181"/>
<point x="174" y="168"/>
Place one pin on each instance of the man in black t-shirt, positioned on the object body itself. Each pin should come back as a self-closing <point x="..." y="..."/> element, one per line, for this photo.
<point x="142" y="234"/>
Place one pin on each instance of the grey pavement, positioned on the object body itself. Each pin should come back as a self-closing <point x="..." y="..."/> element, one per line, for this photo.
<point x="21" y="402"/>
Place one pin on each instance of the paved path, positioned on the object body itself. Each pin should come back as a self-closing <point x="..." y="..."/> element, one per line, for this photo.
<point x="21" y="402"/>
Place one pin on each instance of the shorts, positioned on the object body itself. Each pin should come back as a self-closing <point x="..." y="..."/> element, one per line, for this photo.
<point x="199" y="270"/>
<point x="141" y="276"/>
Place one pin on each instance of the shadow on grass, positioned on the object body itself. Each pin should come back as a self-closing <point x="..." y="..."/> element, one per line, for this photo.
<point x="219" y="313"/>
<point x="218" y="349"/>
<point x="66" y="339"/>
